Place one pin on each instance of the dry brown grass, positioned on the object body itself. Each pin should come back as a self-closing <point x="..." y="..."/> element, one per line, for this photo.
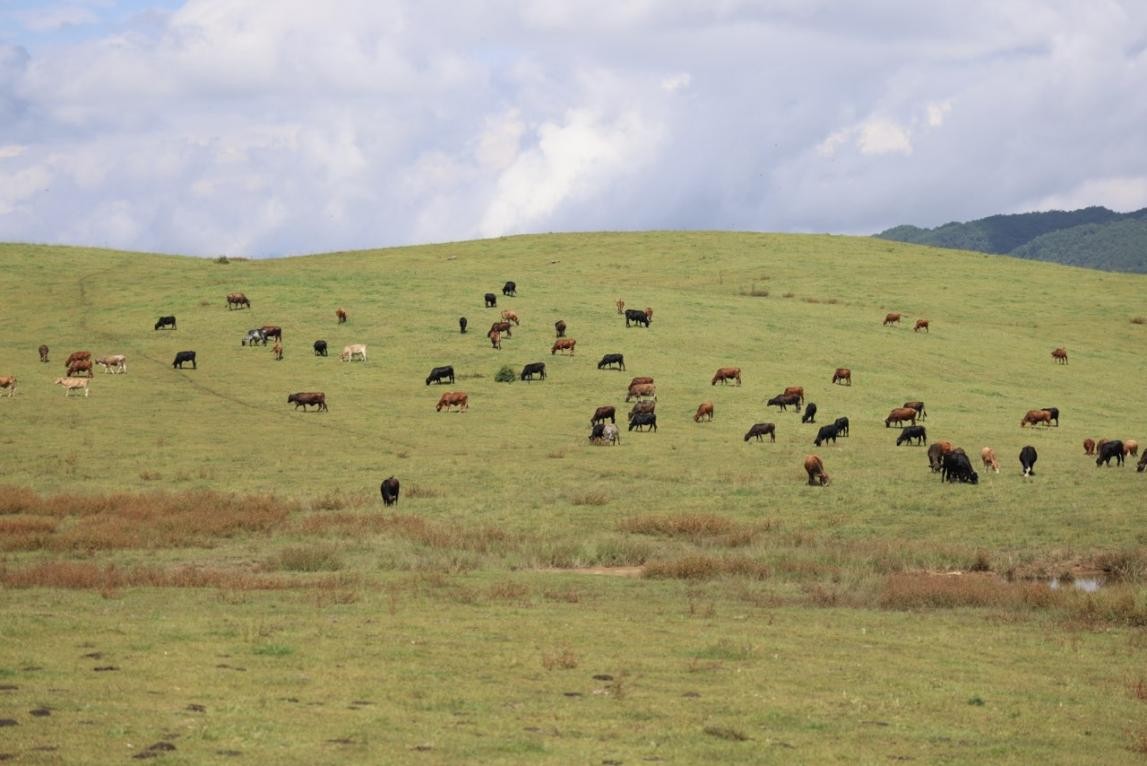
<point x="696" y="527"/>
<point x="561" y="659"/>
<point x="589" y="498"/>
<point x="107" y="577"/>
<point x="922" y="590"/>
<point x="1138" y="689"/>
<point x="703" y="567"/>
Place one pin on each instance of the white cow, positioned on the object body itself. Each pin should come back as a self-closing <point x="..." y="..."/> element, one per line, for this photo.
<point x="116" y="363"/>
<point x="353" y="350"/>
<point x="73" y="384"/>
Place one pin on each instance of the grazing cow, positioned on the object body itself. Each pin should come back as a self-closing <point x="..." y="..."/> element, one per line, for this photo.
<point x="936" y="454"/>
<point x="450" y="399"/>
<point x="8" y="383"/>
<point x="826" y="432"/>
<point x="784" y="401"/>
<point x="639" y="380"/>
<point x="563" y="344"/>
<point x="957" y="467"/>
<point x="643" y="421"/>
<point x="237" y="300"/>
<point x="304" y="398"/>
<point x="167" y="321"/>
<point x="1054" y="413"/>
<point x="510" y="289"/>
<point x="1028" y="457"/>
<point x="611" y="434"/>
<point x="704" y="411"/>
<point x="491" y="301"/>
<point x="277" y="350"/>
<point x="444" y="374"/>
<point x="77" y="356"/>
<point x="814" y="466"/>
<point x="389" y="491"/>
<point x="1060" y="355"/>
<point x="1142" y="464"/>
<point x="253" y="337"/>
<point x="725" y="374"/>
<point x="462" y="325"/>
<point x="340" y="314"/>
<point x="917" y="433"/>
<point x="620" y="306"/>
<point x="647" y="405"/>
<point x="272" y="331"/>
<point x="641" y="390"/>
<point x="560" y="328"/>
<point x="510" y="316"/>
<point x="899" y="415"/>
<point x="43" y="353"/>
<point x="919" y="407"/>
<point x="495" y="339"/>
<point x="1111" y="449"/>
<point x="841" y="426"/>
<point x="603" y="412"/>
<point x="1034" y="417"/>
<point x="648" y="315"/>
<point x="635" y="316"/>
<point x="892" y="318"/>
<point x="116" y="363"/>
<point x="797" y="391"/>
<point x="502" y="327"/>
<point x="320" y="347"/>
<point x="1130" y="447"/>
<point x="843" y="375"/>
<point x="611" y="359"/>
<point x="353" y="350"/>
<point x="596" y="433"/>
<point x="809" y="415"/>
<point x="921" y="324"/>
<point x="760" y="430"/>
<point x="532" y="369"/>
<point x="184" y="356"/>
<point x="82" y="365"/>
<point x="988" y="456"/>
<point x="73" y="384"/>
<point x="1089" y="446"/>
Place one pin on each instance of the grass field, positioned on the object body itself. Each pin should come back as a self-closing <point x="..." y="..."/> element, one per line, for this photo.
<point x="190" y="565"/>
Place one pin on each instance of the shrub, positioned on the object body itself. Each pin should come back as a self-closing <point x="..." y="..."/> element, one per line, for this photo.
<point x="506" y="374"/>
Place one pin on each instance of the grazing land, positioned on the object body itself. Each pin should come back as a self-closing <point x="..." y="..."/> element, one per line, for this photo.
<point x="193" y="570"/>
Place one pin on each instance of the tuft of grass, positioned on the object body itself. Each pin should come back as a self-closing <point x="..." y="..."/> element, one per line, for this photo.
<point x="1139" y="320"/>
<point x="311" y="558"/>
<point x="703" y="567"/>
<point x="1128" y="565"/>
<point x="589" y="498"/>
<point x="755" y="291"/>
<point x="563" y="658"/>
<point x="725" y="650"/>
<point x="726" y="732"/>
<point x="273" y="650"/>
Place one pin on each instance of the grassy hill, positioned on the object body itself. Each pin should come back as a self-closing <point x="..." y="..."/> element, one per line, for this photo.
<point x="229" y="557"/>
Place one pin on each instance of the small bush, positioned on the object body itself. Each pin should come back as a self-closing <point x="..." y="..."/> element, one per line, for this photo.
<point x="223" y="259"/>
<point x="1138" y="320"/>
<point x="313" y="558"/>
<point x="506" y="374"/>
<point x="700" y="567"/>
<point x="561" y="659"/>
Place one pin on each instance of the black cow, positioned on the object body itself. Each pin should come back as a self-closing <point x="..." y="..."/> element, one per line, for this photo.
<point x="1028" y="457"/>
<point x="809" y="415"/>
<point x="825" y="433"/>
<point x="598" y="432"/>
<point x="957" y="467"/>
<point x="760" y="430"/>
<point x="184" y="356"/>
<point x="784" y="401"/>
<point x="1141" y="466"/>
<point x="532" y="369"/>
<point x="1110" y="450"/>
<point x="601" y="413"/>
<point x="491" y="300"/>
<point x="611" y="359"/>
<point x="320" y="347"/>
<point x="560" y="328"/>
<point x="441" y="375"/>
<point x="919" y="407"/>
<point x="509" y="289"/>
<point x="389" y="490"/>
<point x="1054" y="412"/>
<point x="912" y="432"/>
<point x="841" y="426"/>
<point x="462" y="325"/>
<point x="646" y="419"/>
<point x="167" y="321"/>
<point x="636" y="316"/>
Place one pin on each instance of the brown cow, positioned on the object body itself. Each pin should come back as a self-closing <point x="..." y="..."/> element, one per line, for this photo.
<point x="797" y="391"/>
<point x="237" y="300"/>
<point x="560" y="328"/>
<point x="77" y="356"/>
<point x="272" y="331"/>
<point x="842" y="375"/>
<point x="646" y="406"/>
<point x="563" y="344"/>
<point x="639" y="380"/>
<point x="814" y="466"/>
<point x="649" y="313"/>
<point x="306" y="398"/>
<point x="1089" y="446"/>
<point x="1130" y="447"/>
<point x="725" y="374"/>
<point x="277" y="350"/>
<point x="919" y="407"/>
<point x="892" y="318"/>
<point x="603" y="412"/>
<point x="9" y="382"/>
<point x="641" y="390"/>
<point x="43" y="353"/>
<point x="988" y="455"/>
<point x="341" y="314"/>
<point x="936" y="453"/>
<point x="704" y="411"/>
<point x="921" y="324"/>
<point x="510" y="316"/>
<point x="450" y="399"/>
<point x="502" y="327"/>
<point x="1034" y="417"/>
<point x="620" y="306"/>
<point x="899" y="415"/>
<point x="495" y="339"/>
<point x="1060" y="355"/>
<point x="82" y="365"/>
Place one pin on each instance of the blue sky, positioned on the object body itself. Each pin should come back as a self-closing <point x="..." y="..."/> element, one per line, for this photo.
<point x="271" y="128"/>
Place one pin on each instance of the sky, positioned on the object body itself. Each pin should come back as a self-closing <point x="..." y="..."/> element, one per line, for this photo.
<point x="263" y="129"/>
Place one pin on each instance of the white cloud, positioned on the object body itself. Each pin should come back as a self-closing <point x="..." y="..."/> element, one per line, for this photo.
<point x="12" y="150"/>
<point x="1122" y="194"/>
<point x="937" y="111"/>
<point x="47" y="19"/>
<point x="880" y="136"/>
<point x="676" y="82"/>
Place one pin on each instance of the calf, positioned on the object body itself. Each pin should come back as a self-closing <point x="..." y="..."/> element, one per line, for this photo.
<point x="305" y="398"/>
<point x="843" y="375"/>
<point x="443" y="374"/>
<point x="510" y="288"/>
<point x="725" y="374"/>
<point x="560" y="328"/>
<point x="167" y="321"/>
<point x="809" y="415"/>
<point x="184" y="356"/>
<point x="620" y="306"/>
<point x="636" y="317"/>
<point x="491" y="300"/>
<point x="1089" y="446"/>
<point x="8" y="383"/>
<point x="784" y="401"/>
<point x="532" y="369"/>
<point x="814" y="466"/>
<point x="899" y="415"/>
<point x="320" y="347"/>
<point x="1028" y="457"/>
<point x="988" y="456"/>
<point x="389" y="491"/>
<point x="116" y="363"/>
<point x="957" y="467"/>
<point x="563" y="344"/>
<point x="462" y="325"/>
<point x="602" y="413"/>
<point x="704" y="412"/>
<point x="643" y="420"/>
<point x="611" y="359"/>
<point x="340" y="314"/>
<point x="277" y="350"/>
<point x="919" y="407"/>
<point x="841" y="426"/>
<point x="73" y="384"/>
<point x="912" y="432"/>
<point x="760" y="430"/>
<point x="825" y="433"/>
<point x="43" y="353"/>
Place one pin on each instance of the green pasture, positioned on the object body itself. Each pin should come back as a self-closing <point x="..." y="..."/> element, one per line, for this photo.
<point x="468" y="623"/>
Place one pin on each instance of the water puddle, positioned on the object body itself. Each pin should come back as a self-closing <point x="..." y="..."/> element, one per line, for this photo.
<point x="1085" y="584"/>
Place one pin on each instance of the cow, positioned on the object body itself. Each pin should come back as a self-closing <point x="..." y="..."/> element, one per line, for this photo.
<point x="320" y="347"/>
<point x="1060" y="355"/>
<point x="491" y="301"/>
<point x="597" y="433"/>
<point x="450" y="399"/>
<point x="1142" y="464"/>
<point x="641" y="390"/>
<point x="841" y="426"/>
<point x="1089" y="446"/>
<point x="43" y="353"/>
<point x="502" y="327"/>
<point x="563" y="344"/>
<point x="957" y="467"/>
<point x="79" y="366"/>
<point x="166" y="321"/>
<point x="917" y="433"/>
<point x="704" y="411"/>
<point x="826" y="432"/>
<point x="1034" y="417"/>
<point x="389" y="491"/>
<point x="988" y="456"/>
<point x="444" y="374"/>
<point x="919" y="407"/>
<point x="510" y="316"/>
<point x="1028" y="457"/>
<point x="182" y="357"/>
<point x="73" y="384"/>
<point x="646" y="420"/>
<point x="1111" y="449"/>
<point x="797" y="391"/>
<point x="237" y="300"/>
<point x="340" y="314"/>
<point x="725" y="374"/>
<point x="353" y="350"/>
<point x="1054" y="413"/>
<point x="305" y="398"/>
<point x="647" y="405"/>
<point x="936" y="454"/>
<point x="510" y="289"/>
<point x="814" y="467"/>
<point x="784" y="401"/>
<point x="603" y="412"/>
<point x="462" y="322"/>
<point x="639" y="380"/>
<point x="8" y="383"/>
<point x="760" y="430"/>
<point x="636" y="317"/>
<point x="809" y="415"/>
<point x="611" y="359"/>
<point x="899" y="415"/>
<point x="253" y="337"/>
<point x="495" y="339"/>
<point x="116" y="363"/>
<point x="560" y="328"/>
<point x="648" y="315"/>
<point x="620" y="306"/>
<point x="277" y="350"/>
<point x="611" y="434"/>
<point x="921" y="324"/>
<point x="1130" y="447"/>
<point x="76" y="356"/>
<point x="843" y="375"/>
<point x="272" y="331"/>
<point x="892" y="318"/>
<point x="532" y="369"/>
